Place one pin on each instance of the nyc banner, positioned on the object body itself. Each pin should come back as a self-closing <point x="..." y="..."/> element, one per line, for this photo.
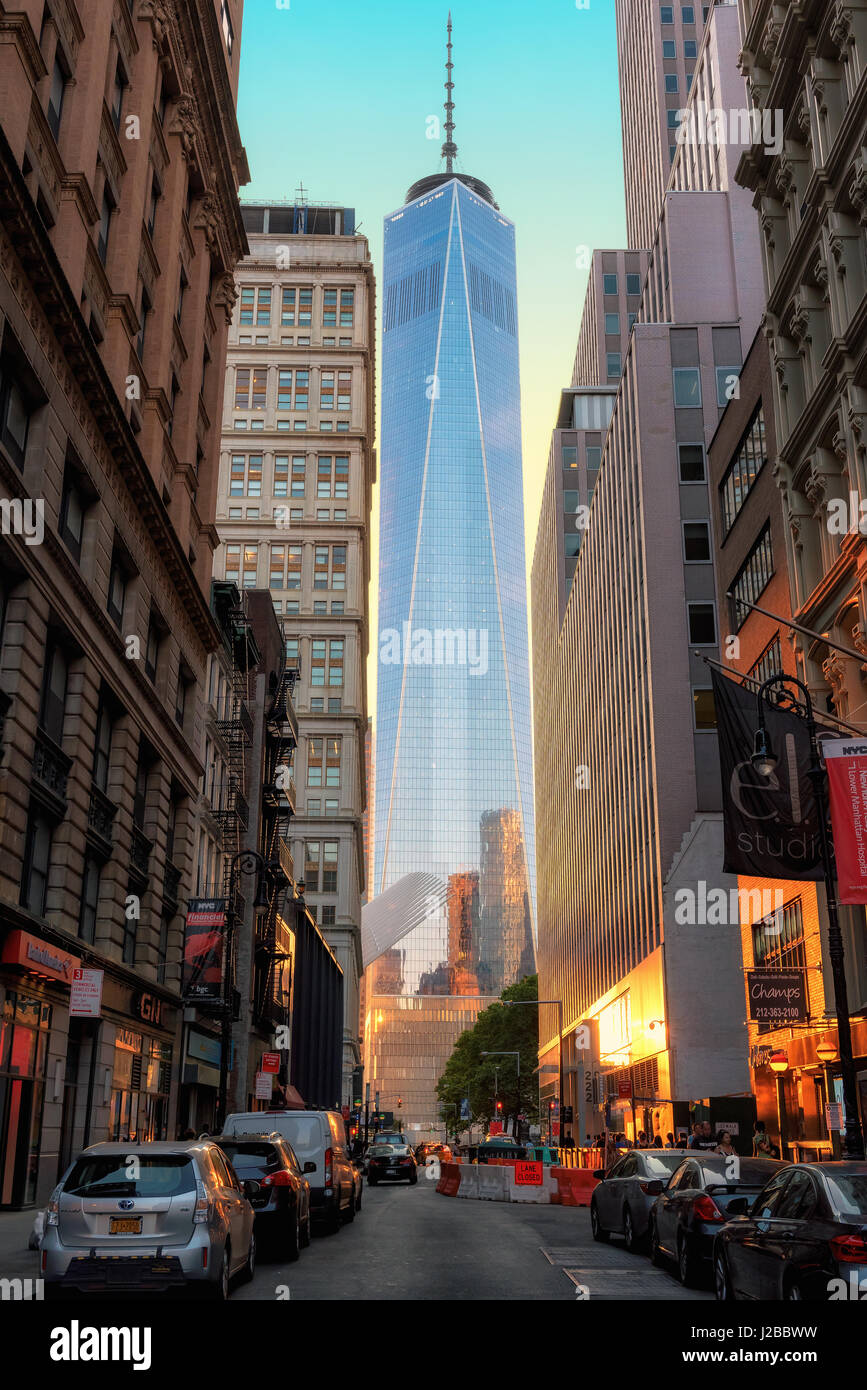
<point x="846" y="761"/>
<point x="203" y="950"/>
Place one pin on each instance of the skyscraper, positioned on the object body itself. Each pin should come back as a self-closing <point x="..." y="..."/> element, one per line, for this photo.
<point x="453" y="758"/>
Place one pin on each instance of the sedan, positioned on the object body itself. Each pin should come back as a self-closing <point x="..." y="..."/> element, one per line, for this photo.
<point x="155" y="1216"/>
<point x="282" y="1204"/>
<point x="804" y="1238"/>
<point x="695" y="1203"/>
<point x="395" y="1161"/>
<point x="622" y="1200"/>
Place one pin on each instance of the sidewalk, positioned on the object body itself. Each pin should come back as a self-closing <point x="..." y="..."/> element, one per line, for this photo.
<point x="15" y="1258"/>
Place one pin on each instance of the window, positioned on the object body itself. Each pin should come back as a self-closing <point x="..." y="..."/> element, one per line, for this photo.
<point x="293" y="577"/>
<point x="299" y="475"/>
<point x="569" y="454"/>
<point x="704" y="708"/>
<point x="691" y="462"/>
<point x="56" y="95"/>
<point x="743" y="470"/>
<point x="146" y="307"/>
<point x="669" y="48"/>
<point x="770" y="663"/>
<point x="255" y="306"/>
<point x="344" y="390"/>
<point x="332" y="477"/>
<point x="696" y="542"/>
<point x="152" y="651"/>
<point x="293" y="658"/>
<point x="312" y="865"/>
<point x="687" y="14"/>
<point x="329" y="309"/>
<point x="37" y="861"/>
<point x="689" y="82"/>
<point x="120" y="82"/>
<point x="673" y="118"/>
<point x="778" y="939"/>
<point x="281" y="475"/>
<point x="329" y="866"/>
<point x="277" y="573"/>
<point x="315" y="753"/>
<point x="15" y="412"/>
<point x="89" y="901"/>
<point x="702" y="624"/>
<point x="102" y="747"/>
<point x="305" y="308"/>
<point x="612" y="325"/>
<point x="690" y="50"/>
<point x="666" y="14"/>
<point x="52" y="708"/>
<point x="347" y="312"/>
<point x="320" y="609"/>
<point x="245" y="477"/>
<point x="332" y="763"/>
<point x="613" y="363"/>
<point x="73" y="506"/>
<point x="633" y="284"/>
<point x="632" y="319"/>
<point x="105" y="224"/>
<point x="326" y="390"/>
<point x="754" y="575"/>
<point x="335" y="705"/>
<point x="329" y="915"/>
<point x="671" y="82"/>
<point x="285" y="400"/>
<point x="687" y="388"/>
<point x="609" y="284"/>
<point x="337" y="610"/>
<point x="245" y="378"/>
<point x="117" y="582"/>
<point x="228" y="31"/>
<point x="726" y="384"/>
<point x="594" y="457"/>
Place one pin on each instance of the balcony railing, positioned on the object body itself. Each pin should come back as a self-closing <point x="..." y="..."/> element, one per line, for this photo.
<point x="231" y="803"/>
<point x="51" y="768"/>
<point x="285" y="860"/>
<point x="140" y="852"/>
<point x="234" y="720"/>
<point x="100" y="820"/>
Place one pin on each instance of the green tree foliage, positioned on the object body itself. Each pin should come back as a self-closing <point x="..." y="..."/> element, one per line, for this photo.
<point x="468" y="1073"/>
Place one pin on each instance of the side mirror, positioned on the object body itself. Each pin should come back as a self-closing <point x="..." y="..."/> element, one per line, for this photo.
<point x="738" y="1206"/>
<point x="309" y="1167"/>
<point x="653" y="1189"/>
<point x="599" y="1173"/>
<point x="251" y="1187"/>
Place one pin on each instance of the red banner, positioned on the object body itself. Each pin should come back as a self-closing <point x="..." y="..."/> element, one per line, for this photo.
<point x="846" y="761"/>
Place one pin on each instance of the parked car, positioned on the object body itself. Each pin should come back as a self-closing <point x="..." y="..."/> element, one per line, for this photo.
<point x="807" y="1228"/>
<point x="624" y="1195"/>
<point x="318" y="1137"/>
<point x="690" y="1210"/>
<point x="282" y="1204"/>
<point x="395" y="1161"/>
<point x="185" y="1218"/>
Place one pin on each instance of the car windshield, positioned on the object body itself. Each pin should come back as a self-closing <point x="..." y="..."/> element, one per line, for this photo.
<point x="661" y="1165"/>
<point x="116" y="1175"/>
<point x="848" y="1194"/>
<point x="252" y="1158"/>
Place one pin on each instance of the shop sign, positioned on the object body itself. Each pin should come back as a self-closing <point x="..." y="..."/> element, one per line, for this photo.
<point x="777" y="996"/>
<point x="127" y="1040"/>
<point x="271" y="1063"/>
<point x="147" y="1007"/>
<point x="39" y="957"/>
<point x="760" y="1056"/>
<point x="264" y="1085"/>
<point x="204" y="1049"/>
<point x="85" y="995"/>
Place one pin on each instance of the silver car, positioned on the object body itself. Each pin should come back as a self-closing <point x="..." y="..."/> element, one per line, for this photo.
<point x="621" y="1202"/>
<point x="157" y="1216"/>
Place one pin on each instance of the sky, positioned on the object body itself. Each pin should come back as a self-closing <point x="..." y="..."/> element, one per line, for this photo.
<point x="337" y="95"/>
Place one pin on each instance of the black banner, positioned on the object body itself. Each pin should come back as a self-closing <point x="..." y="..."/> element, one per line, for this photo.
<point x="203" y="950"/>
<point x="771" y="823"/>
<point x="778" y="997"/>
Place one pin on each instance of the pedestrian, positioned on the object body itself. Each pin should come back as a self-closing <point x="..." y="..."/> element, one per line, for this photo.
<point x="657" y="1141"/>
<point x="724" y="1144"/>
<point x="695" y="1137"/>
<point x="642" y="1140"/>
<point x="669" y="1141"/>
<point x="188" y="1134"/>
<point x="762" y="1146"/>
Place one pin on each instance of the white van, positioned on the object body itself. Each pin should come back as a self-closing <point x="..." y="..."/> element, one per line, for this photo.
<point x="318" y="1137"/>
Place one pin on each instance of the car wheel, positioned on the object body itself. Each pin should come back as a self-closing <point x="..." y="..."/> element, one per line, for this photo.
<point x="219" y="1289"/>
<point x="633" y="1242"/>
<point x="307" y="1232"/>
<point x="413" y="1179"/>
<point x="687" y="1265"/>
<point x="349" y="1214"/>
<point x="247" y="1273"/>
<point x="292" y="1248"/>
<point x="371" y="1182"/>
<point x="656" y="1256"/>
<point x="721" y="1282"/>
<point x="596" y="1225"/>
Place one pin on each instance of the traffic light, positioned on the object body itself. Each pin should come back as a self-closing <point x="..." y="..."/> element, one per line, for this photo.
<point x="550" y="1105"/>
<point x="499" y="1107"/>
<point x="399" y="1102"/>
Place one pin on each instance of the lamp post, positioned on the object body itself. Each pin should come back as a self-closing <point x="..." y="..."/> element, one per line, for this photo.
<point x="765" y="760"/>
<point x="246" y="861"/>
<point x="517" y="1057"/>
<point x="559" y="1002"/>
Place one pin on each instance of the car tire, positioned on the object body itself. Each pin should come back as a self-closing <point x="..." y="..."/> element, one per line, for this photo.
<point x="307" y="1232"/>
<point x="349" y="1214"/>
<point x="596" y="1225"/>
<point x="413" y="1179"/>
<point x="334" y="1221"/>
<point x="721" y="1278"/>
<point x="218" y="1289"/>
<point x="292" y="1244"/>
<point x="657" y="1258"/>
<point x="687" y="1264"/>
<point x="371" y="1182"/>
<point x="634" y="1243"/>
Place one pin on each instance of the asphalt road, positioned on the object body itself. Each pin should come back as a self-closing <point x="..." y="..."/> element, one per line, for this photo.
<point x="413" y="1243"/>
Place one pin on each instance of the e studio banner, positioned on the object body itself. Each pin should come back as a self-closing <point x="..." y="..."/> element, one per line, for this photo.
<point x="846" y="761"/>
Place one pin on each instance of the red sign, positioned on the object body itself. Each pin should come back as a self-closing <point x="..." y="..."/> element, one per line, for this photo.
<point x="271" y="1062"/>
<point x="528" y="1174"/>
<point x="39" y="957"/>
<point x="846" y="761"/>
<point x="624" y="1088"/>
<point x="345" y="1112"/>
<point x="495" y="1127"/>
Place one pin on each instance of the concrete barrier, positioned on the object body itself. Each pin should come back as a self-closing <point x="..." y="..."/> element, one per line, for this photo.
<point x="493" y="1183"/>
<point x="469" y="1181"/>
<point x="542" y="1192"/>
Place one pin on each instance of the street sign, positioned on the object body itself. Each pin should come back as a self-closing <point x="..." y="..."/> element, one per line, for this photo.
<point x="528" y="1174"/>
<point x="271" y="1062"/>
<point x="495" y="1127"/>
<point x="264" y="1085"/>
<point x="624" y="1088"/>
<point x="85" y="994"/>
<point x="834" y="1117"/>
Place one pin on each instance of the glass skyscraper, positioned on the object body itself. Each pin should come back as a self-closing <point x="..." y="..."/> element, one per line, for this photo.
<point x="453" y="753"/>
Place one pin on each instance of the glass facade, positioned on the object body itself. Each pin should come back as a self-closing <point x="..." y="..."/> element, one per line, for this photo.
<point x="453" y="752"/>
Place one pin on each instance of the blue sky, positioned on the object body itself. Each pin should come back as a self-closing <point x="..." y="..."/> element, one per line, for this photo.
<point x="337" y="94"/>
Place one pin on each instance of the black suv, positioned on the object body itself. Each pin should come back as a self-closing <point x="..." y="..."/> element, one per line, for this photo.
<point x="282" y="1204"/>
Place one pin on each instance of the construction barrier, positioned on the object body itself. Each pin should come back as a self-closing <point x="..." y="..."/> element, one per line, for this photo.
<point x="450" y="1179"/>
<point x="531" y="1182"/>
<point x="469" y="1181"/>
<point x="493" y="1183"/>
<point x="574" y="1186"/>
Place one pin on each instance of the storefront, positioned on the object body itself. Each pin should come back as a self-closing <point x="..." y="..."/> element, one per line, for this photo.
<point x="197" y="1103"/>
<point x="140" y="1102"/>
<point x="798" y="1085"/>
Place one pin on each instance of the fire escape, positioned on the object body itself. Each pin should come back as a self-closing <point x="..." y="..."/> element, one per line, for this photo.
<point x="278" y="807"/>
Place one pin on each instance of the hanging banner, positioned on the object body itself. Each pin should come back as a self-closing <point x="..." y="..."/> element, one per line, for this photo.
<point x="203" y="950"/>
<point x="778" y="997"/>
<point x="846" y="761"/>
<point x="771" y="824"/>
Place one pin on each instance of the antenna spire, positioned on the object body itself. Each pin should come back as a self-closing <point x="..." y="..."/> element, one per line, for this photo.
<point x="450" y="149"/>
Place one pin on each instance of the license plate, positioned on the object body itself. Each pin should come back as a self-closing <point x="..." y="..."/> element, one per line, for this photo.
<point x="124" y="1226"/>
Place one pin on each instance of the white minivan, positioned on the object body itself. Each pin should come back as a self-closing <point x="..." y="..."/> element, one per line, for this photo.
<point x="318" y="1137"/>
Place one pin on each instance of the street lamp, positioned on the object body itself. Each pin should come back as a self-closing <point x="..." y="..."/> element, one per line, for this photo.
<point x="765" y="760"/>
<point x="517" y="1057"/>
<point x="559" y="1003"/>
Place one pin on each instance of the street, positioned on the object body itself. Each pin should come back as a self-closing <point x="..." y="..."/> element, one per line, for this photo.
<point x="413" y="1243"/>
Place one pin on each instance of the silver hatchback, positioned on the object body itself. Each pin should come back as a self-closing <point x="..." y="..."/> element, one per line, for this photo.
<point x="621" y="1200"/>
<point x="157" y="1216"/>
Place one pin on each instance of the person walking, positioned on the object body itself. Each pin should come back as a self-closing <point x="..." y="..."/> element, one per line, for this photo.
<point x="762" y="1146"/>
<point x="669" y="1141"/>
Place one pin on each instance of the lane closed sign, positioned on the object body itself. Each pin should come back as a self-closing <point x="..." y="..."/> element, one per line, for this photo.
<point x="528" y="1174"/>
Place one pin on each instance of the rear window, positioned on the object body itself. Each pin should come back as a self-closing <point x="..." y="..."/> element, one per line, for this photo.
<point x="163" y="1175"/>
<point x="749" y="1172"/>
<point x="304" y="1133"/>
<point x="849" y="1194"/>
<point x="380" y="1150"/>
<point x="252" y="1158"/>
<point x="661" y="1165"/>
